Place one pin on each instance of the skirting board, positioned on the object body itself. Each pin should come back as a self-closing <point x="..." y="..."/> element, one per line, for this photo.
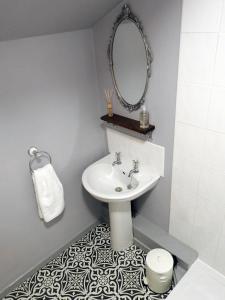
<point x="153" y="236"/>
<point x="45" y="261"/>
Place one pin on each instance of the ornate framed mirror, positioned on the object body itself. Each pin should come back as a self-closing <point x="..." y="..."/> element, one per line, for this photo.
<point x="130" y="59"/>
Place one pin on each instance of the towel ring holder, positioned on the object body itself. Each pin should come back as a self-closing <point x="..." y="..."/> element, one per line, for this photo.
<point x="34" y="153"/>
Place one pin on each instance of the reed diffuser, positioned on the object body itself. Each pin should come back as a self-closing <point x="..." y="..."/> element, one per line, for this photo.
<point x="109" y="96"/>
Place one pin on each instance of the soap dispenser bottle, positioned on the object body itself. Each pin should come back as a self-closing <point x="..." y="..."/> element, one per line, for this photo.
<point x="144" y="118"/>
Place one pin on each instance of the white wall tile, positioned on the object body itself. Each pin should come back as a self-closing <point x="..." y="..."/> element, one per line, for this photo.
<point x="192" y="104"/>
<point x="214" y="151"/>
<point x="212" y="186"/>
<point x="181" y="214"/>
<point x="219" y="262"/>
<point x="222" y="28"/>
<point x="216" y="120"/>
<point x="184" y="204"/>
<point x="197" y="57"/>
<point x="205" y="232"/>
<point x="209" y="215"/>
<point x="186" y="177"/>
<point x="201" y="15"/>
<point x="189" y="142"/>
<point x="219" y="77"/>
<point x="198" y="182"/>
<point x="183" y="199"/>
<point x="180" y="230"/>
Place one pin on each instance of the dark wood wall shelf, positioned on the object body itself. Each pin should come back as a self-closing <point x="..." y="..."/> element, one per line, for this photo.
<point x="128" y="123"/>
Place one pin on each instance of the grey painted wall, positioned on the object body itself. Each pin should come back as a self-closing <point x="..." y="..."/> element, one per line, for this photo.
<point x="161" y="20"/>
<point x="48" y="98"/>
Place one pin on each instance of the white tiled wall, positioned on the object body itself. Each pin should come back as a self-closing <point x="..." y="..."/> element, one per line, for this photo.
<point x="198" y="187"/>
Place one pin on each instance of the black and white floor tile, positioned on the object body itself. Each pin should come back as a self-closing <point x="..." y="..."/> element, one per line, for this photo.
<point x="90" y="270"/>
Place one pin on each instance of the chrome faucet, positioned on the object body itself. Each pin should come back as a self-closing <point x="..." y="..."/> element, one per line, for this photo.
<point x="118" y="159"/>
<point x="135" y="168"/>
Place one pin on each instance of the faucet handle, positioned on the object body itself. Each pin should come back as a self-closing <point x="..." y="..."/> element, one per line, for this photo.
<point x="118" y="157"/>
<point x="136" y="164"/>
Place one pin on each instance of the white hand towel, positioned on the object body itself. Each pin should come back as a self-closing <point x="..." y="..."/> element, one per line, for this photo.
<point x="49" y="193"/>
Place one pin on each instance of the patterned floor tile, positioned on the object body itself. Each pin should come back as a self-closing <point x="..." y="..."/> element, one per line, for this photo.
<point x="90" y="270"/>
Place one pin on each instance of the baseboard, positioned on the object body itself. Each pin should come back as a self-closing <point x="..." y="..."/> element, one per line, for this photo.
<point x="152" y="236"/>
<point x="30" y="272"/>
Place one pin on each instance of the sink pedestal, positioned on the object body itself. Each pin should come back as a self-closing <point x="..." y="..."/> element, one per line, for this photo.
<point x="120" y="225"/>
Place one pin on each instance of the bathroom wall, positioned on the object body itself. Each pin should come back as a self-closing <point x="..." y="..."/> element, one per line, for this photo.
<point x="198" y="189"/>
<point x="161" y="21"/>
<point x="48" y="98"/>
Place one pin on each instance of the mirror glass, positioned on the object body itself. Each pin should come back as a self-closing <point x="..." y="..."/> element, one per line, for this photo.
<point x="129" y="62"/>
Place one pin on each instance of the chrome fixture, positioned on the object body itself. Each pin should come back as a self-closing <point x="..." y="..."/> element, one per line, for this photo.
<point x="118" y="159"/>
<point x="135" y="168"/>
<point x="36" y="155"/>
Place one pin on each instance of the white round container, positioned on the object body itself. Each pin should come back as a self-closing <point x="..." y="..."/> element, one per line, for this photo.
<point x="159" y="270"/>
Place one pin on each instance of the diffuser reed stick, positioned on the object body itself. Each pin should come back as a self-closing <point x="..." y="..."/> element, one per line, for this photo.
<point x="109" y="95"/>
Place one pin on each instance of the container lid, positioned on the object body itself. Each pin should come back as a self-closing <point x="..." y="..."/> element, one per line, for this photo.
<point x="159" y="261"/>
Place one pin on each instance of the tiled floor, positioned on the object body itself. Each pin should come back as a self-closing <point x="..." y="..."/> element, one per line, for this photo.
<point x="90" y="269"/>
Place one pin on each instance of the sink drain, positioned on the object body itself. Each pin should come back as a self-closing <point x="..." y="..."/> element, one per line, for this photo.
<point x="129" y="187"/>
<point x="118" y="189"/>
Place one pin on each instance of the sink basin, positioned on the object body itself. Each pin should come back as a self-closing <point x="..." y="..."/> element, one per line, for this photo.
<point x="112" y="184"/>
<point x="109" y="183"/>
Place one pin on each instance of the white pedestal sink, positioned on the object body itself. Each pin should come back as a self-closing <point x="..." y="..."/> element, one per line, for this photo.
<point x="109" y="184"/>
<point x="112" y="184"/>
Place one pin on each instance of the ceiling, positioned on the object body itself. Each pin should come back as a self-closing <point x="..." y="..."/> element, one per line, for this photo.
<point x="25" y="18"/>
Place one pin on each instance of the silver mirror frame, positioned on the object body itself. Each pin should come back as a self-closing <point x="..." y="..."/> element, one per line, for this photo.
<point x="127" y="14"/>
